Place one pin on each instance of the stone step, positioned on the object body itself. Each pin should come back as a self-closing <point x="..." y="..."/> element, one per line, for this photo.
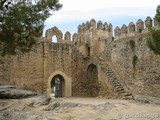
<point x="103" y="68"/>
<point x="115" y="80"/>
<point x="112" y="76"/>
<point x="127" y="94"/>
<point x="109" y="71"/>
<point x="116" y="83"/>
<point x="44" y="88"/>
<point x="120" y="92"/>
<point x="108" y="68"/>
<point x="118" y="86"/>
<point x="119" y="89"/>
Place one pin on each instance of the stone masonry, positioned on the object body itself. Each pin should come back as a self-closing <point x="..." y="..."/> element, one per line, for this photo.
<point x="95" y="63"/>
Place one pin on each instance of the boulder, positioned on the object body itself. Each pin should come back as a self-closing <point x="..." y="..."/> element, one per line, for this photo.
<point x="10" y="92"/>
<point x="147" y="99"/>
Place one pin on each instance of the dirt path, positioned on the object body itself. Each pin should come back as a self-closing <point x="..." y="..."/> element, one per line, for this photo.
<point x="107" y="109"/>
<point x="80" y="109"/>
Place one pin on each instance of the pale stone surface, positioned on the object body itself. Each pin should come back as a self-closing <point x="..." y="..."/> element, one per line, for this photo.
<point x="79" y="109"/>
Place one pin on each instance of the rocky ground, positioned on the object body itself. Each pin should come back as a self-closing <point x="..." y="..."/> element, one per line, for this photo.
<point x="26" y="105"/>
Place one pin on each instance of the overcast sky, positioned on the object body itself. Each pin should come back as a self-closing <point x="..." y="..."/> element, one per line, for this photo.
<point x="116" y="12"/>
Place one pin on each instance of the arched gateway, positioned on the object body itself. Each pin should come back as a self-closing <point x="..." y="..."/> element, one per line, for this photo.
<point x="59" y="84"/>
<point x="92" y="81"/>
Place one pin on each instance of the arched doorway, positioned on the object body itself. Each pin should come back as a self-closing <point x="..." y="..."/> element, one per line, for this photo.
<point x="92" y="81"/>
<point x="58" y="86"/>
<point x="65" y="80"/>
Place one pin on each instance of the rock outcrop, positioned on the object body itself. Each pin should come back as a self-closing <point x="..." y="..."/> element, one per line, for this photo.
<point x="10" y="92"/>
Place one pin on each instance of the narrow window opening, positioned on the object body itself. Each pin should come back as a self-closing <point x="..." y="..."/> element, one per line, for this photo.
<point x="54" y="39"/>
<point x="88" y="51"/>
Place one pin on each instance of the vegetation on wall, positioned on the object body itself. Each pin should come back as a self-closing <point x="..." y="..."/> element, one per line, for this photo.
<point x="22" y="22"/>
<point x="132" y="44"/>
<point x="134" y="56"/>
<point x="153" y="41"/>
<point x="134" y="61"/>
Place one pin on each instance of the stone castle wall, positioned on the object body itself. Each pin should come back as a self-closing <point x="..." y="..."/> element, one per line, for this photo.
<point x="95" y="63"/>
<point x="32" y="70"/>
<point x="27" y="69"/>
<point x="5" y="70"/>
<point x="137" y="66"/>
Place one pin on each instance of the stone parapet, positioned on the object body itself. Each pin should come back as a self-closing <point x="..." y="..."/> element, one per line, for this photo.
<point x="133" y="29"/>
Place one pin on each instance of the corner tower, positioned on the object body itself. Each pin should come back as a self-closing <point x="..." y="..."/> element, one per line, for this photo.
<point x="92" y="37"/>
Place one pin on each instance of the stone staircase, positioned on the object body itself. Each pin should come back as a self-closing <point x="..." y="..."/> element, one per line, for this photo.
<point x="118" y="87"/>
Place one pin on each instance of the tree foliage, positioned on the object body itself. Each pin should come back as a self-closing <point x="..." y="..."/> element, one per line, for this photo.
<point x="153" y="41"/>
<point x="22" y="21"/>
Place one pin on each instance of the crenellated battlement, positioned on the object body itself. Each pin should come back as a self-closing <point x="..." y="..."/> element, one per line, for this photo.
<point x="92" y="25"/>
<point x="132" y="29"/>
<point x="59" y="35"/>
<point x="95" y="36"/>
<point x="87" y="31"/>
<point x="92" y="36"/>
<point x="92" y="31"/>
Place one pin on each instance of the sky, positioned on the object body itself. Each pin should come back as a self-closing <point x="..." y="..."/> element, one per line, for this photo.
<point x="116" y="12"/>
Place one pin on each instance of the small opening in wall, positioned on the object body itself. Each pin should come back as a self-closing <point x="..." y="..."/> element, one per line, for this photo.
<point x="139" y="30"/>
<point x="88" y="51"/>
<point x="54" y="39"/>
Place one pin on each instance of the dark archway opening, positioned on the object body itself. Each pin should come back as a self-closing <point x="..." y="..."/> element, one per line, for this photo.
<point x="92" y="85"/>
<point x="58" y="86"/>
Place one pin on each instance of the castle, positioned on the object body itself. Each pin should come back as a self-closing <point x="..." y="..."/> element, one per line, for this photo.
<point x="95" y="63"/>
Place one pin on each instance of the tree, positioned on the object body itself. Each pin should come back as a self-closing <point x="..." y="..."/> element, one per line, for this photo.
<point x="153" y="41"/>
<point x="22" y="21"/>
